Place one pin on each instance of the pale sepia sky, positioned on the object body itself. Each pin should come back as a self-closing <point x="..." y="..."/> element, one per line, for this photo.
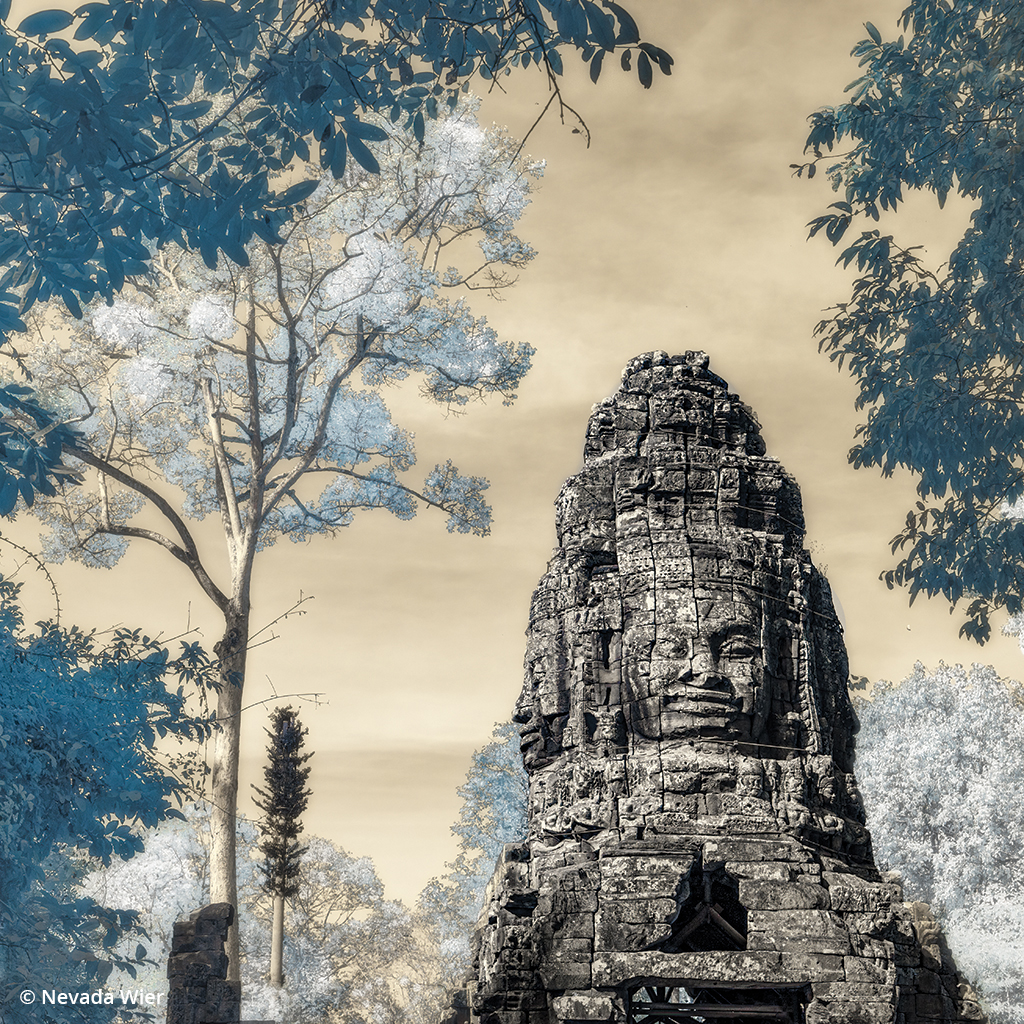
<point x="681" y="227"/>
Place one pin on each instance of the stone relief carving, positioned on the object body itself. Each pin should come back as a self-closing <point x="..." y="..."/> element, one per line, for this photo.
<point x="696" y="835"/>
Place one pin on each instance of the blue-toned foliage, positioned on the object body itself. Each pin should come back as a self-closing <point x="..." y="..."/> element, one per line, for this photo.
<point x="165" y="120"/>
<point x="31" y="448"/>
<point x="937" y="350"/>
<point x="79" y="721"/>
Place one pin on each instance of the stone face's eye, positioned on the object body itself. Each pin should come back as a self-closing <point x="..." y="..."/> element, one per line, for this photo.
<point x="737" y="645"/>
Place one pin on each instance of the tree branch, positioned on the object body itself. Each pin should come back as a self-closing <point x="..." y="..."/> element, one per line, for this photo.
<point x="229" y="507"/>
<point x="187" y="553"/>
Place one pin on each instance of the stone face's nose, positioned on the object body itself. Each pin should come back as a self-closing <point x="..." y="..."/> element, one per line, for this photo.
<point x="700" y="676"/>
<point x="703" y="663"/>
<point x="523" y="711"/>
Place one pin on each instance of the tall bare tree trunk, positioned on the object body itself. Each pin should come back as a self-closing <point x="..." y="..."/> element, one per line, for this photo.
<point x="223" y="879"/>
<point x="277" y="944"/>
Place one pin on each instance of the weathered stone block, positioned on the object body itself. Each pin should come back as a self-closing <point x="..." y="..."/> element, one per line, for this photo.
<point x="871" y="970"/>
<point x="582" y="1006"/>
<point x="878" y="923"/>
<point x="214" y="964"/>
<point x="851" y="991"/>
<point x="815" y="931"/>
<point x="850" y="1013"/>
<point x="558" y="976"/>
<point x="614" y="969"/>
<point x="579" y="926"/>
<point x="682" y="782"/>
<point x="613" y="934"/>
<point x="823" y="967"/>
<point x="762" y="895"/>
<point x="641" y="876"/>
<point x="850" y="893"/>
<point x="762" y="871"/>
<point x="875" y="949"/>
<point x="635" y="911"/>
<point x="571" y="945"/>
<point x="754" y="850"/>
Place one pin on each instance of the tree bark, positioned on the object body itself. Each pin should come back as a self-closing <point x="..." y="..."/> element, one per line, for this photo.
<point x="224" y="783"/>
<point x="277" y="944"/>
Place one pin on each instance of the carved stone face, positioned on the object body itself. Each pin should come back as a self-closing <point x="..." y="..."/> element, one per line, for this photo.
<point x="542" y="712"/>
<point x="707" y="674"/>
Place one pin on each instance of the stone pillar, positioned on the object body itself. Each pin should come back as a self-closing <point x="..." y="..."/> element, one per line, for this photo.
<point x="197" y="968"/>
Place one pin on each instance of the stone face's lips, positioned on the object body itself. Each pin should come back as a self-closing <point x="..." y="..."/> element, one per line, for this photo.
<point x="680" y="700"/>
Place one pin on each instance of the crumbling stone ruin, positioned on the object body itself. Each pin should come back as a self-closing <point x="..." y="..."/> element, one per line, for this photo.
<point x="697" y="848"/>
<point x="197" y="968"/>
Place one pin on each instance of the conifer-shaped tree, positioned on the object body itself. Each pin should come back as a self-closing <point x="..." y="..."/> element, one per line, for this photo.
<point x="282" y="802"/>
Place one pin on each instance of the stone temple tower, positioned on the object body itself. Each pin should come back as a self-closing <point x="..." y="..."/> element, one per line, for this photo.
<point x="697" y="848"/>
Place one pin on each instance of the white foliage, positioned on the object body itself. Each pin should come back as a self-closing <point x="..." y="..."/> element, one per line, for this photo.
<point x="940" y="763"/>
<point x="161" y="384"/>
<point x="342" y="938"/>
<point x="146" y="381"/>
<point x="210" y="317"/>
<point x="125" y="325"/>
<point x="376" y="281"/>
<point x="988" y="940"/>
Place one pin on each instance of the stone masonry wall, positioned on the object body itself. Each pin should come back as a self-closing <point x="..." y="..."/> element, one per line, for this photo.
<point x="197" y="969"/>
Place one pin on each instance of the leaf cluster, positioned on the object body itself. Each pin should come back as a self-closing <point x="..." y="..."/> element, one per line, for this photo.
<point x="282" y="802"/>
<point x="79" y="724"/>
<point x="167" y="120"/>
<point x="937" y="352"/>
<point x="31" y="448"/>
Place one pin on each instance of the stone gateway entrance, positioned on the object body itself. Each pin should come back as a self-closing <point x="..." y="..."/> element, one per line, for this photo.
<point x="654" y="1004"/>
<point x="697" y="849"/>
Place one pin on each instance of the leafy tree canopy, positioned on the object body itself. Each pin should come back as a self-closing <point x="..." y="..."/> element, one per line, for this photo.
<point x="79" y="720"/>
<point x="346" y="946"/>
<point x="166" y="121"/>
<point x="940" y="762"/>
<point x="493" y="813"/>
<point x="262" y="363"/>
<point x="937" y="351"/>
